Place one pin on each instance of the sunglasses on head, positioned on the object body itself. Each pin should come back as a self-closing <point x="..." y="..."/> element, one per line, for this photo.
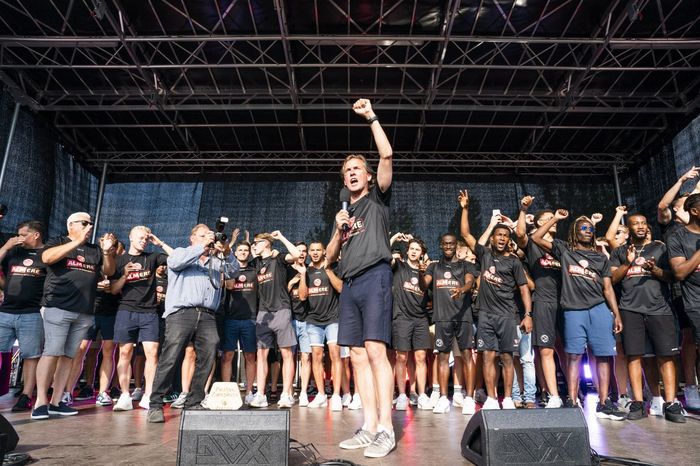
<point x="587" y="228"/>
<point x="83" y="222"/>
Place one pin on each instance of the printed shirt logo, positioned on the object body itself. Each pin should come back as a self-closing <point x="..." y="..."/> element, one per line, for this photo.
<point x="412" y="286"/>
<point x="27" y="262"/>
<point x="544" y="338"/>
<point x="357" y="226"/>
<point x="79" y="264"/>
<point x="438" y="342"/>
<point x="582" y="271"/>
<point x="242" y="278"/>
<point x="138" y="275"/>
<point x="447" y="274"/>
<point x="24" y="270"/>
<point x="549" y="262"/>
<point x="80" y="258"/>
<point x="137" y="266"/>
<point x="317" y="282"/>
<point x="414" y="280"/>
<point x="491" y="276"/>
<point x="583" y="263"/>
<point x="159" y="288"/>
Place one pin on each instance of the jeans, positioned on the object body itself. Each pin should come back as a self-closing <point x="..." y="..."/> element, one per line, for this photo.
<point x="527" y="360"/>
<point x="180" y="328"/>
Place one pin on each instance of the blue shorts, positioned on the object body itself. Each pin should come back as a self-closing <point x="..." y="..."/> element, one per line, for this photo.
<point x="239" y="331"/>
<point x="28" y="329"/>
<point x="366" y="307"/>
<point x="303" y="342"/>
<point x="320" y="333"/>
<point x="104" y="325"/>
<point x="589" y="327"/>
<point x="136" y="327"/>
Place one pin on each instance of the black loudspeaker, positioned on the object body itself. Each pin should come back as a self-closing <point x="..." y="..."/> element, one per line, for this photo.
<point x="233" y="437"/>
<point x="10" y="443"/>
<point x="525" y="437"/>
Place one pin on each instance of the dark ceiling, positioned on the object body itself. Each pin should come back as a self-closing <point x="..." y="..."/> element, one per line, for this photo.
<point x="175" y="88"/>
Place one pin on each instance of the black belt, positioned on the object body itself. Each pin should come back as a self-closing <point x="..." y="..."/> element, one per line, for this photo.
<point x="202" y="309"/>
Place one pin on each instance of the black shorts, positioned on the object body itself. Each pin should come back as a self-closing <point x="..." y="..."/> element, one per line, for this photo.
<point x="694" y="317"/>
<point x="546" y="323"/>
<point x="639" y="329"/>
<point x="679" y="311"/>
<point x="497" y="333"/>
<point x="136" y="327"/>
<point x="366" y="307"/>
<point x="447" y="331"/>
<point x="410" y="334"/>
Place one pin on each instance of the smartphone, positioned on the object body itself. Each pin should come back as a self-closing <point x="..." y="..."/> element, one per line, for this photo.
<point x="495" y="212"/>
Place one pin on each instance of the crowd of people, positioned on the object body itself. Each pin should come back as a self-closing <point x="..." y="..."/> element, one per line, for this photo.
<point x="367" y="312"/>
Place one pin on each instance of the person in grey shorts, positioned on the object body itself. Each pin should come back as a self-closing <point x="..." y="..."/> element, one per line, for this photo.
<point x="73" y="269"/>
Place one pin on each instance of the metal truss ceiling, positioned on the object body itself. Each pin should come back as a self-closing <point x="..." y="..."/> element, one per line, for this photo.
<point x="173" y="88"/>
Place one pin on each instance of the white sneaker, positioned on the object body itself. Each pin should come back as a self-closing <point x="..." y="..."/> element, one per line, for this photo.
<point x="442" y="406"/>
<point x="336" y="403"/>
<point x="179" y="403"/>
<point x="204" y="402"/>
<point x="491" y="403"/>
<point x="508" y="403"/>
<point x="124" y="403"/>
<point x="285" y="401"/>
<point x="67" y="398"/>
<point x="137" y="394"/>
<point x="469" y="406"/>
<point x="401" y="402"/>
<point x="692" y="398"/>
<point x="103" y="399"/>
<point x="424" y="402"/>
<point x="303" y="400"/>
<point x="356" y="402"/>
<point x="434" y="397"/>
<point x="319" y="401"/>
<point x="259" y="401"/>
<point x="248" y="398"/>
<point x="554" y="402"/>
<point x="657" y="406"/>
<point x="413" y="399"/>
<point x="457" y="399"/>
<point x="623" y="403"/>
<point x="145" y="401"/>
<point x="347" y="399"/>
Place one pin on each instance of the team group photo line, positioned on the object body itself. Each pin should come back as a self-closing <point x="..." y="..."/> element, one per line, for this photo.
<point x="365" y="320"/>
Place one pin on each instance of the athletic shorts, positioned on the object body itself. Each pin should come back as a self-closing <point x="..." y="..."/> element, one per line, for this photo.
<point x="104" y="325"/>
<point x="318" y="334"/>
<point x="679" y="311"/>
<point x="497" y="333"/>
<point x="546" y="323"/>
<point x="592" y="328"/>
<point x="410" y="334"/>
<point x="64" y="330"/>
<point x="448" y="332"/>
<point x="638" y="330"/>
<point x="694" y="317"/>
<point x="366" y="307"/>
<point x="239" y="332"/>
<point x="271" y="327"/>
<point x="28" y="329"/>
<point x="136" y="327"/>
<point x="303" y="342"/>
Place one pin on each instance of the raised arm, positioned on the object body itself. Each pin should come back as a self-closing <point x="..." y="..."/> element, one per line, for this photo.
<point x="521" y="225"/>
<point x="161" y="244"/>
<point x="384" y="170"/>
<point x="484" y="238"/>
<point x="293" y="250"/>
<point x="538" y="235"/>
<point x="52" y="255"/>
<point x="663" y="210"/>
<point x="463" y="199"/>
<point x="620" y="211"/>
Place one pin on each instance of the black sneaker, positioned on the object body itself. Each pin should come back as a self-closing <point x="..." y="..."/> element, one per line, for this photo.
<point x="569" y="403"/>
<point x="155" y="416"/>
<point x="674" y="412"/>
<point x="62" y="409"/>
<point x="170" y="397"/>
<point x="85" y="393"/>
<point x="608" y="410"/>
<point x="24" y="403"/>
<point x="42" y="412"/>
<point x="115" y="393"/>
<point x="637" y="411"/>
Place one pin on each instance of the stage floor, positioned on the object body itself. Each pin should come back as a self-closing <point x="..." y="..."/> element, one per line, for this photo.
<point x="97" y="436"/>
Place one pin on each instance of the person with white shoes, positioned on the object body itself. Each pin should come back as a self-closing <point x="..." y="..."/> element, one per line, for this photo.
<point x="298" y="292"/>
<point x="501" y="273"/>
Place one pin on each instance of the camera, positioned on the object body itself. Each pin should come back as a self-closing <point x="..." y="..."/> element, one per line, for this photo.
<point x="3" y="210"/>
<point x="219" y="234"/>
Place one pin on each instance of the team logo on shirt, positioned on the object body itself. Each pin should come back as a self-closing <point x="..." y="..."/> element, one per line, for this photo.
<point x="438" y="343"/>
<point x="549" y="262"/>
<point x="27" y="262"/>
<point x="159" y="289"/>
<point x="582" y="271"/>
<point x="80" y="264"/>
<point x="138" y="275"/>
<point x="137" y="266"/>
<point x="447" y="274"/>
<point x="80" y="258"/>
<point x="491" y="277"/>
<point x="492" y="269"/>
<point x="583" y="263"/>
<point x="414" y="280"/>
<point x="544" y="338"/>
<point x="357" y="226"/>
<point x="480" y="343"/>
<point x="640" y="260"/>
<point x="317" y="282"/>
<point x="26" y="271"/>
<point x="263" y="270"/>
<point x="242" y="278"/>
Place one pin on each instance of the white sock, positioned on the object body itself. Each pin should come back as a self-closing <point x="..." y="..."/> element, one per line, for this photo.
<point x="436" y="386"/>
<point x="658" y="399"/>
<point x="381" y="428"/>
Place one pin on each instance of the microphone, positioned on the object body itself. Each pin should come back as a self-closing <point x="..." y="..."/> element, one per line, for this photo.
<point x="344" y="203"/>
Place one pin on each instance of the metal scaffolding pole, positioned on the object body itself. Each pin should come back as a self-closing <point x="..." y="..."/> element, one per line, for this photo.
<point x="100" y="195"/>
<point x="618" y="194"/>
<point x="8" y="144"/>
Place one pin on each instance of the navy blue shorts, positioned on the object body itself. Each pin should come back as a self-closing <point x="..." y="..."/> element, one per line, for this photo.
<point x="136" y="327"/>
<point x="242" y="331"/>
<point x="366" y="307"/>
<point x="104" y="325"/>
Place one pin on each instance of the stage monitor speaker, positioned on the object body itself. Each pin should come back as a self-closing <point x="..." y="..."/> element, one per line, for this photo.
<point x="233" y="437"/>
<point x="10" y="443"/>
<point x="527" y="437"/>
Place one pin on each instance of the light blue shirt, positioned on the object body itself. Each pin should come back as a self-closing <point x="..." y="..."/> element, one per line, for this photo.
<point x="190" y="280"/>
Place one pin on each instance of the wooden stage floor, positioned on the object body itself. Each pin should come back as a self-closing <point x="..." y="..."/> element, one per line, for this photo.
<point x="97" y="436"/>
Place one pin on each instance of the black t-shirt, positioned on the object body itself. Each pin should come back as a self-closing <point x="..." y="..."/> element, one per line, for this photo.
<point x="323" y="299"/>
<point x="640" y="291"/>
<point x="71" y="283"/>
<point x="106" y="304"/>
<point x="367" y="241"/>
<point x="272" y="283"/>
<point x="669" y="229"/>
<point x="545" y="271"/>
<point x="408" y="297"/>
<point x="582" y="273"/>
<point x="139" y="292"/>
<point x="242" y="301"/>
<point x="500" y="275"/>
<point x="299" y="308"/>
<point x="24" y="280"/>
<point x="683" y="244"/>
<point x="447" y="276"/>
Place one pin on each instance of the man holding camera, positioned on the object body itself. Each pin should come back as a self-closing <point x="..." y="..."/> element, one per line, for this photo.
<point x="195" y="280"/>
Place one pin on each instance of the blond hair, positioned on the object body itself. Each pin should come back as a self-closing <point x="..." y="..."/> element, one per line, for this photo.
<point x="140" y="228"/>
<point x="197" y="227"/>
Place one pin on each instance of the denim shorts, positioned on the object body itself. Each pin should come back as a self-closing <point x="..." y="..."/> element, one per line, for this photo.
<point x="239" y="331"/>
<point x="64" y="330"/>
<point x="320" y="333"/>
<point x="589" y="327"/>
<point x="303" y="342"/>
<point x="28" y="329"/>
